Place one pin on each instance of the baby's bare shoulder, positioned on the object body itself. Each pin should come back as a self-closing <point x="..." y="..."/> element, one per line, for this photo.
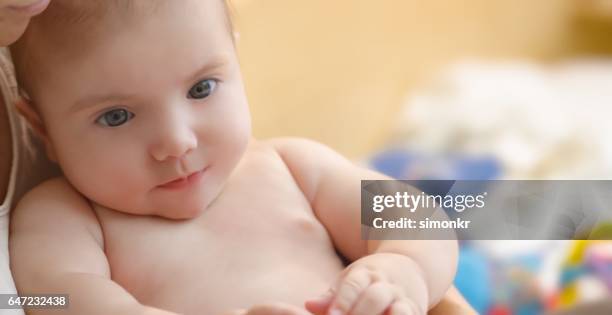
<point x="293" y="143"/>
<point x="296" y="149"/>
<point x="289" y="149"/>
<point x="54" y="232"/>
<point x="53" y="205"/>
<point x="309" y="161"/>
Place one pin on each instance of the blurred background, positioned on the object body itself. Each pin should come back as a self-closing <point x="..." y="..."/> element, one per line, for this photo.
<point x="455" y="89"/>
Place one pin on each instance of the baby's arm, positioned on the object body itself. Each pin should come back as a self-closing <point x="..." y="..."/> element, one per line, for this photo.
<point x="417" y="272"/>
<point x="56" y="247"/>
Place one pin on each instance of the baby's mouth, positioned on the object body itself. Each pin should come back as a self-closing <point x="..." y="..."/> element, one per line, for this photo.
<point x="184" y="181"/>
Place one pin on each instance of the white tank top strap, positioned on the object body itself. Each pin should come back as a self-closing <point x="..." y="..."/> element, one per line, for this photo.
<point x="8" y="90"/>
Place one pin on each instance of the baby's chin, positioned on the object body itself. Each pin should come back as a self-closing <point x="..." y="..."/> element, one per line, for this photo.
<point x="183" y="212"/>
<point x="188" y="208"/>
<point x="169" y="207"/>
<point x="177" y="209"/>
<point x="176" y="212"/>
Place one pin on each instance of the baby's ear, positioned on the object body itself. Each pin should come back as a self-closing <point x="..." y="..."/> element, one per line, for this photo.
<point x="26" y="109"/>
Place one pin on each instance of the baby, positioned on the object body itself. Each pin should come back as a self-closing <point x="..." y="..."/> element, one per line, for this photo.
<point x="168" y="205"/>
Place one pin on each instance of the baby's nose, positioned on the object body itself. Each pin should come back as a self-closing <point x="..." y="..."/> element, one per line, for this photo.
<point x="174" y="144"/>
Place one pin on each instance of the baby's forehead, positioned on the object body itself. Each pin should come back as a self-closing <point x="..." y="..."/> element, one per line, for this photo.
<point x="70" y="28"/>
<point x="80" y="12"/>
<point x="83" y="16"/>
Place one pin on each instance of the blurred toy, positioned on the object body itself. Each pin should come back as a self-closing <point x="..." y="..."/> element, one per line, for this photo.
<point x="586" y="274"/>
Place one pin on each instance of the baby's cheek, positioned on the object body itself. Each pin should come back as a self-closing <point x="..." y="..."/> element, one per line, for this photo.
<point x="109" y="179"/>
<point x="238" y="132"/>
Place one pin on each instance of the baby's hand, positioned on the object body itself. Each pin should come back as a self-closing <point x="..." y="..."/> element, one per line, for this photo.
<point x="271" y="309"/>
<point x="366" y="290"/>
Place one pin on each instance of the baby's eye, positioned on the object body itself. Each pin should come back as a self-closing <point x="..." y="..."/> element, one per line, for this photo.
<point x="202" y="89"/>
<point x="115" y="117"/>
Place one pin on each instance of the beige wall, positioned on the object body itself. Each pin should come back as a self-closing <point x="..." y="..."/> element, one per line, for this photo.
<point x="338" y="70"/>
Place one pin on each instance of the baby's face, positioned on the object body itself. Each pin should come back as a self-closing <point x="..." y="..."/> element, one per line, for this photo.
<point x="153" y="118"/>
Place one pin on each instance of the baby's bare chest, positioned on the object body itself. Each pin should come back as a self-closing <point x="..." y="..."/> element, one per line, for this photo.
<point x="259" y="241"/>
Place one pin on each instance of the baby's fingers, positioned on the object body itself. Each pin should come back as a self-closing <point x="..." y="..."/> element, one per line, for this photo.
<point x="376" y="298"/>
<point x="348" y="290"/>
